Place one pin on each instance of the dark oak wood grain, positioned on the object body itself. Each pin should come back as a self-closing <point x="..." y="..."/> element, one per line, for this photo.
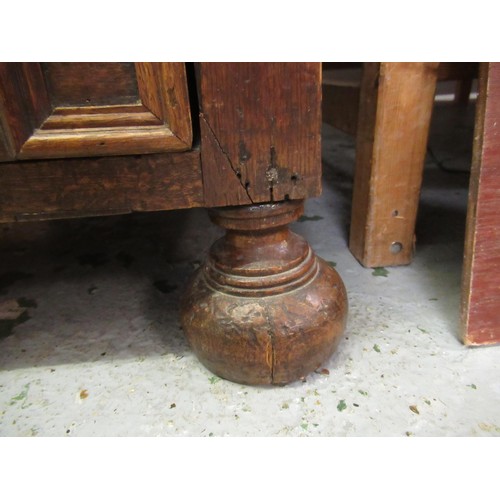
<point x="260" y="131"/>
<point x="56" y="189"/>
<point x="90" y="83"/>
<point x="481" y="284"/>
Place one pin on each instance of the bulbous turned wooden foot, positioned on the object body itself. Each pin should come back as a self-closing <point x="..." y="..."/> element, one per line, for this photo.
<point x="263" y="308"/>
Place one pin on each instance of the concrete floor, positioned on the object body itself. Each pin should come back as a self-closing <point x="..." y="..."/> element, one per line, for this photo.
<point x="93" y="345"/>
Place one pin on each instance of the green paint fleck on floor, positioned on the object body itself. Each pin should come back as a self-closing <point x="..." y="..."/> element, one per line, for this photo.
<point x="376" y="348"/>
<point x="422" y="330"/>
<point x="304" y="426"/>
<point x="363" y="393"/>
<point x="331" y="263"/>
<point x="341" y="406"/>
<point x="380" y="271"/>
<point x="489" y="427"/>
<point x="306" y="218"/>
<point x="214" y="379"/>
<point x="472" y="386"/>
<point x="22" y="396"/>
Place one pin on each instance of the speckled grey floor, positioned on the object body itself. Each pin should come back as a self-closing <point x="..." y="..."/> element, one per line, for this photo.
<point x="96" y="349"/>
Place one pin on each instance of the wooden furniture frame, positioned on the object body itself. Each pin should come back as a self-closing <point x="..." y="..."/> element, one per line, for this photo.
<point x="389" y="111"/>
<point x="85" y="139"/>
<point x="390" y="114"/>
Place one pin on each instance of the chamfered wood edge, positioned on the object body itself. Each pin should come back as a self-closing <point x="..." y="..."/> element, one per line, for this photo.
<point x="101" y="141"/>
<point x="163" y="89"/>
<point x="70" y="118"/>
<point x="76" y="187"/>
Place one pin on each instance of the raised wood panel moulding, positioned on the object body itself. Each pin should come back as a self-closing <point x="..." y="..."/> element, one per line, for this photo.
<point x="33" y="128"/>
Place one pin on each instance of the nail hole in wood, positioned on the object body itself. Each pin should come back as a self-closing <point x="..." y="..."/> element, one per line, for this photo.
<point x="395" y="213"/>
<point x="396" y="247"/>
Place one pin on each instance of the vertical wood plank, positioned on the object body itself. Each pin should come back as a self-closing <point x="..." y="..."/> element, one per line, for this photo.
<point x="260" y="131"/>
<point x="176" y="100"/>
<point x="394" y="117"/>
<point x="149" y="84"/>
<point x="480" y="282"/>
<point x="163" y="90"/>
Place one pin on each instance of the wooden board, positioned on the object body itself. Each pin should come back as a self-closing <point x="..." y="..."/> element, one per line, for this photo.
<point x="481" y="282"/>
<point x="57" y="189"/>
<point x="260" y="131"/>
<point x="394" y="118"/>
<point x="96" y="84"/>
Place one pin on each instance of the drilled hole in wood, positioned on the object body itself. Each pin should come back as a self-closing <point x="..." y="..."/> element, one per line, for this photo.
<point x="247" y="185"/>
<point x="395" y="213"/>
<point x="238" y="174"/>
<point x="287" y="197"/>
<point x="294" y="177"/>
<point x="396" y="247"/>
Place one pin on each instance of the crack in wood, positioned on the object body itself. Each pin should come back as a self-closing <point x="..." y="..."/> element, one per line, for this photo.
<point x="267" y="315"/>
<point x="244" y="185"/>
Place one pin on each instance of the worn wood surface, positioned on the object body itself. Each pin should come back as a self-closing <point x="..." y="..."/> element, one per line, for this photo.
<point x="59" y="110"/>
<point x="481" y="283"/>
<point x="394" y="118"/>
<point x="260" y="131"/>
<point x="263" y="309"/>
<point x="56" y="189"/>
<point x="90" y="83"/>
